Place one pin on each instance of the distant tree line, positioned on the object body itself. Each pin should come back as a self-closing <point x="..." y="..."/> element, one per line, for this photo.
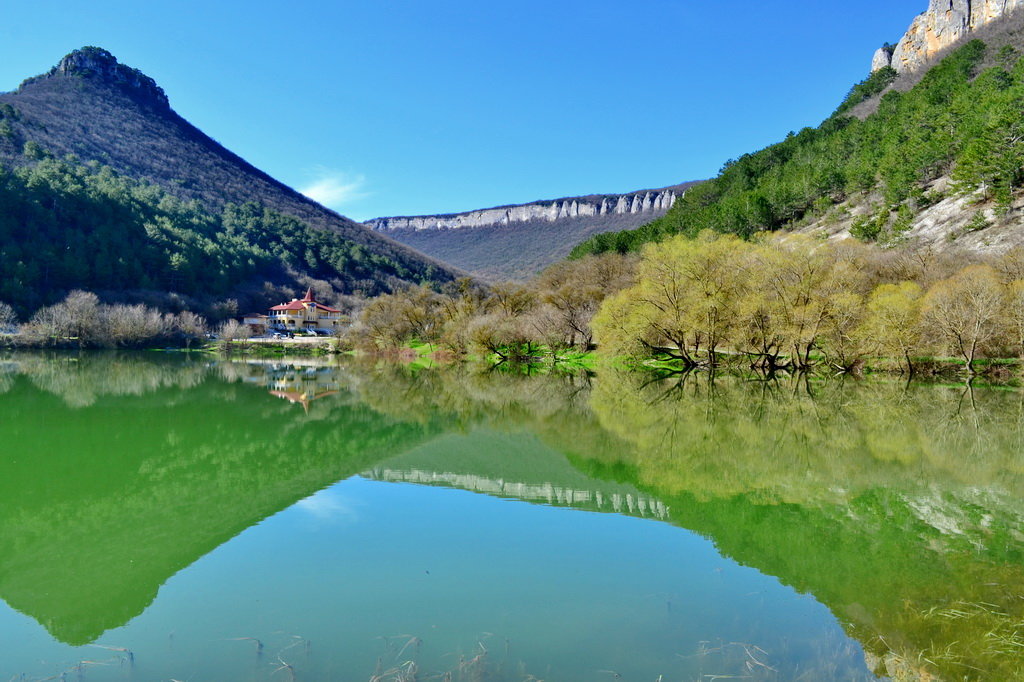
<point x="955" y="121"/>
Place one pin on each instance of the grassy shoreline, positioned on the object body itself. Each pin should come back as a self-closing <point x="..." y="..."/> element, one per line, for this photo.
<point x="995" y="370"/>
<point x="1004" y="371"/>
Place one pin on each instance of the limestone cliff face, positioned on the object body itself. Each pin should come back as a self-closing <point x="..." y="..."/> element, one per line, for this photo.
<point x="944" y="23"/>
<point x="649" y="201"/>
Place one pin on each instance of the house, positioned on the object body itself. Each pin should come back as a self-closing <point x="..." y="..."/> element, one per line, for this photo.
<point x="256" y="323"/>
<point x="304" y="314"/>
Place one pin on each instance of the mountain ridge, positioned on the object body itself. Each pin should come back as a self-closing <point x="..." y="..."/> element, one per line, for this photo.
<point x="516" y="241"/>
<point x="661" y="197"/>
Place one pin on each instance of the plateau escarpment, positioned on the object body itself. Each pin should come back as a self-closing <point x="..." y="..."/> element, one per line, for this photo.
<point x="515" y="242"/>
<point x="638" y="202"/>
<point x="944" y="24"/>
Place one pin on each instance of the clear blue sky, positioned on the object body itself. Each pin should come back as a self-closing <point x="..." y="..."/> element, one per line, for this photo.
<point x="408" y="107"/>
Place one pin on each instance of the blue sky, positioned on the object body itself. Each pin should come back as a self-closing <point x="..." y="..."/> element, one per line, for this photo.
<point x="410" y="107"/>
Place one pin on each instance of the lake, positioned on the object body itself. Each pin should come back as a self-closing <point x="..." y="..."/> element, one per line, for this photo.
<point x="180" y="517"/>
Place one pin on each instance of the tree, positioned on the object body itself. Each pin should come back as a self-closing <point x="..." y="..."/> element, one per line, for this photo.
<point x="797" y="282"/>
<point x="892" y="323"/>
<point x="191" y="326"/>
<point x="573" y="292"/>
<point x="841" y="335"/>
<point x="76" y="320"/>
<point x="133" y="325"/>
<point x="620" y="327"/>
<point x="967" y="311"/>
<point x="1015" y="313"/>
<point x="416" y="314"/>
<point x="8" y="318"/>
<point x="232" y="330"/>
<point x="993" y="162"/>
<point x="684" y="303"/>
<point x="509" y="338"/>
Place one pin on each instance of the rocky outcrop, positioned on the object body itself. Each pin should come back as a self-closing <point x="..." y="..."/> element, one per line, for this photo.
<point x="944" y="23"/>
<point x="648" y="201"/>
<point x="95" y="62"/>
<point x="882" y="58"/>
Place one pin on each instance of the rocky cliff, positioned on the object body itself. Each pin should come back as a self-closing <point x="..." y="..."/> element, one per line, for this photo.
<point x="944" y="23"/>
<point x="96" y="63"/>
<point x="647" y="201"/>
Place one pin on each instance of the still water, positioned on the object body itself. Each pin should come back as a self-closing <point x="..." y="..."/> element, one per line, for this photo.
<point x="171" y="518"/>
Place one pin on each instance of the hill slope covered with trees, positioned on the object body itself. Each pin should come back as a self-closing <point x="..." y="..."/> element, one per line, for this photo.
<point x="961" y="120"/>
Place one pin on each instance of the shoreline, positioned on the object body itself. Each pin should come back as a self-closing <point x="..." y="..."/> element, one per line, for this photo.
<point x="1001" y="371"/>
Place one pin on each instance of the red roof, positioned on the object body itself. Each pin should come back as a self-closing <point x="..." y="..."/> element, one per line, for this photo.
<point x="294" y="305"/>
<point x="298" y="305"/>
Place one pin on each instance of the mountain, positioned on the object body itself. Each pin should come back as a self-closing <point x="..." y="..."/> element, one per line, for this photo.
<point x="151" y="167"/>
<point x="516" y="242"/>
<point x="929" y="154"/>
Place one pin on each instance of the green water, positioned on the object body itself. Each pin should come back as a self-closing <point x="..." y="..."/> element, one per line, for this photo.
<point x="191" y="519"/>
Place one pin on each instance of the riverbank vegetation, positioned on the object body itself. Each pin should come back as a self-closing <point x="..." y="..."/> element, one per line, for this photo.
<point x="547" y="316"/>
<point x="82" y="321"/>
<point x="770" y="303"/>
<point x="796" y="304"/>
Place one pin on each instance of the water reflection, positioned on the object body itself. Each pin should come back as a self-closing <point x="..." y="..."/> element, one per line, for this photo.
<point x="297" y="381"/>
<point x="123" y="463"/>
<point x="898" y="507"/>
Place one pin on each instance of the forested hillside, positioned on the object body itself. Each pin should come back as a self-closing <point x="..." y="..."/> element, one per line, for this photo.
<point x="104" y="187"/>
<point x="961" y="119"/>
<point x="65" y="225"/>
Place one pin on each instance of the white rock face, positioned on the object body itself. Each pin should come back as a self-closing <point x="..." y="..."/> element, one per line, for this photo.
<point x="942" y="227"/>
<point x="944" y="23"/>
<point x="651" y="201"/>
<point x="882" y="59"/>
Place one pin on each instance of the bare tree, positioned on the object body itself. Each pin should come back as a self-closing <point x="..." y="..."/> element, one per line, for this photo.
<point x="191" y="326"/>
<point x="233" y="330"/>
<point x="966" y="311"/>
<point x="8" y="318"/>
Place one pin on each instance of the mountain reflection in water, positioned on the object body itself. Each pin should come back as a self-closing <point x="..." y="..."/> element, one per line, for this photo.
<point x="897" y="507"/>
